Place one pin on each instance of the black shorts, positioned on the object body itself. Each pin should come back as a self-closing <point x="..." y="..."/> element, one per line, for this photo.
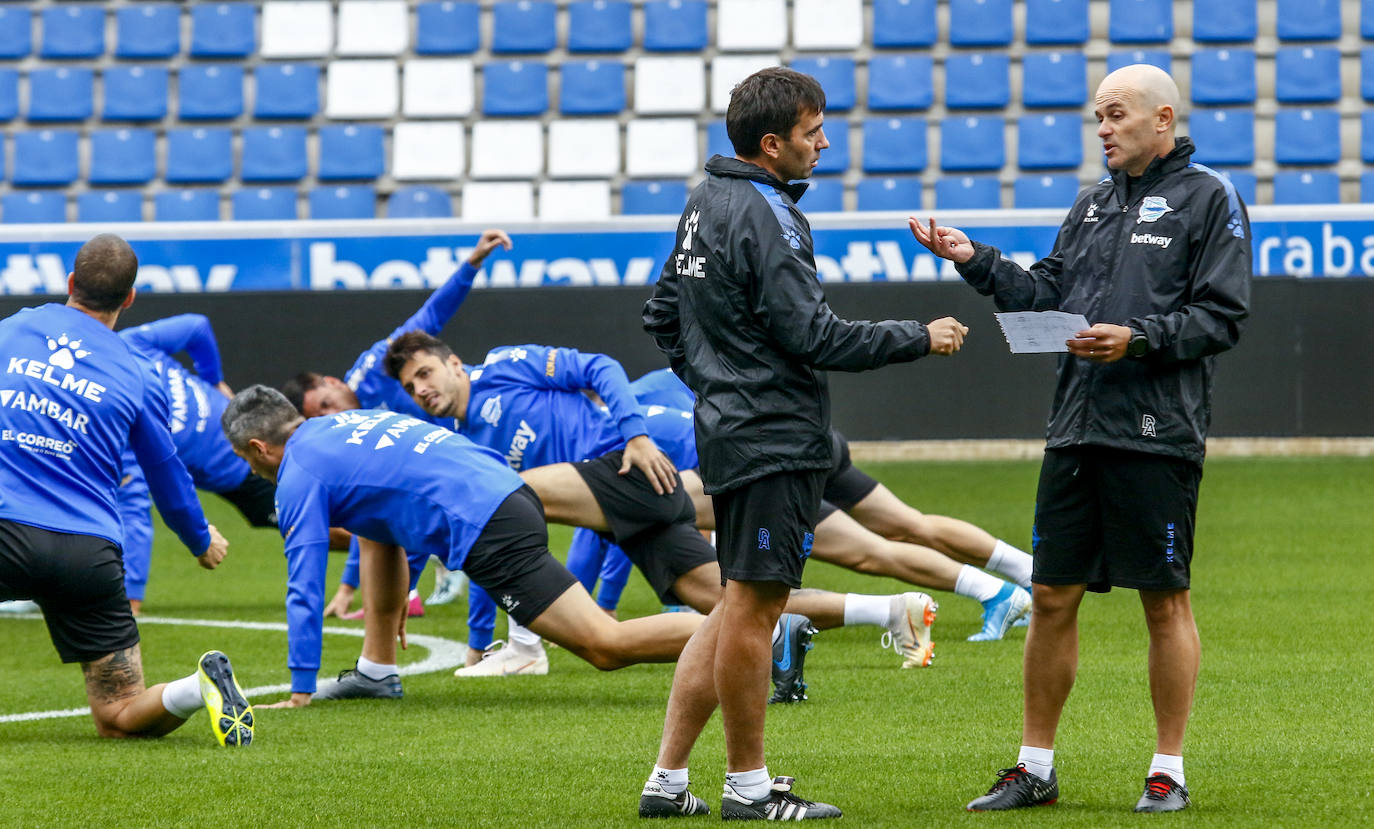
<point x="511" y="559"/>
<point x="845" y="485"/>
<point x="1114" y="518"/>
<point x="765" y="528"/>
<point x="78" y="581"/>
<point x="256" y="498"/>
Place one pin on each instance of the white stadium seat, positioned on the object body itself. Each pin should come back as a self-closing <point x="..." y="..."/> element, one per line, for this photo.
<point x="498" y="201"/>
<point x="362" y="89"/>
<point x="427" y="150"/>
<point x="373" y="27"/>
<point x="437" y="87"/>
<point x="664" y="147"/>
<point x="828" y="24"/>
<point x="575" y="201"/>
<point x="728" y="70"/>
<point x="297" y="28"/>
<point x="669" y="85"/>
<point x="507" y="149"/>
<point x="751" y="25"/>
<point x="584" y="148"/>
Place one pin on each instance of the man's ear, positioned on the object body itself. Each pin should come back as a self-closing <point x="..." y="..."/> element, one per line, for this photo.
<point x="771" y="145"/>
<point x="128" y="300"/>
<point x="71" y="284"/>
<point x="1164" y="118"/>
<point x="257" y="446"/>
<point x="455" y="363"/>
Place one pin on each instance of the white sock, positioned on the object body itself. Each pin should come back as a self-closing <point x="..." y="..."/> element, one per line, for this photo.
<point x="1038" y="761"/>
<point x="777" y="630"/>
<point x="751" y="784"/>
<point x="181" y="697"/>
<point x="867" y="610"/>
<point x="375" y="670"/>
<point x="1011" y="562"/>
<point x="524" y="639"/>
<point x="976" y="584"/>
<point x="672" y="781"/>
<point x="1170" y="764"/>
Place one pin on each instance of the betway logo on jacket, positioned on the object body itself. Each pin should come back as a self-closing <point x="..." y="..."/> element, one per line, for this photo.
<point x="1151" y="239"/>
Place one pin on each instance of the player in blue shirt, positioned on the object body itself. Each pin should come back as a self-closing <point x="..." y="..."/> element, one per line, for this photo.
<point x="73" y="395"/>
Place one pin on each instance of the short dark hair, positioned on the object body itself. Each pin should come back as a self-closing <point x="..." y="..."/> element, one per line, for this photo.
<point x="408" y="345"/>
<point x="259" y="412"/>
<point x="296" y="388"/>
<point x="105" y="270"/>
<point x="771" y="100"/>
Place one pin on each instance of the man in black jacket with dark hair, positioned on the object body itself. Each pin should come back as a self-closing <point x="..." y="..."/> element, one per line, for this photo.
<point x="740" y="313"/>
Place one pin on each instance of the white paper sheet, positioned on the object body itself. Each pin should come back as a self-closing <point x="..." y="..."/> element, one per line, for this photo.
<point x="1040" y="332"/>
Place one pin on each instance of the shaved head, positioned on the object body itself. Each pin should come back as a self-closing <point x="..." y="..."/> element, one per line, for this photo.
<point x="1137" y="110"/>
<point x="1147" y="85"/>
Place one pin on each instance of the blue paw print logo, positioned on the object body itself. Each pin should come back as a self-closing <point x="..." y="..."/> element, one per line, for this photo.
<point x="65" y="352"/>
<point x="792" y="237"/>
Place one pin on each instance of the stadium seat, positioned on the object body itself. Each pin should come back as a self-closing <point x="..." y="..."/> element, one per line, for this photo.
<point x="223" y="30"/>
<point x="44" y="157"/>
<point x="1222" y="21"/>
<point x="1154" y="57"/>
<point x="903" y="23"/>
<point x="34" y="207"/>
<point x="894" y="145"/>
<point x="61" y="94"/>
<point x="675" y="26"/>
<point x="1367" y="187"/>
<point x="9" y="94"/>
<point x="599" y="26"/>
<point x="199" y="154"/>
<point x="427" y="150"/>
<point x="1054" y="79"/>
<point x="210" y="91"/>
<point x="110" y="206"/>
<point x="1309" y="20"/>
<point x="1223" y="76"/>
<point x="978" y="81"/>
<point x="438" y="87"/>
<point x="900" y="82"/>
<point x="661" y="148"/>
<point x="1049" y="141"/>
<point x="148" y="30"/>
<point x="718" y="140"/>
<point x="968" y="193"/>
<point x="16" y="32"/>
<point x="591" y="87"/>
<point x="1141" y="21"/>
<point x="1307" y="74"/>
<point x="523" y="26"/>
<point x="835" y="158"/>
<point x="493" y="201"/>
<point x="512" y="149"/>
<point x="972" y="143"/>
<point x="1307" y="136"/>
<point x="273" y="154"/>
<point x="419" y="202"/>
<point x="447" y="27"/>
<point x="1056" y="21"/>
<point x="297" y="28"/>
<point x="1045" y="191"/>
<point x="515" y="87"/>
<point x="74" y="30"/>
<point x="123" y="156"/>
<point x="575" y="201"/>
<point x="135" y="93"/>
<point x="1366" y="74"/>
<point x="669" y="85"/>
<point x="199" y="204"/>
<point x="353" y="151"/>
<point x="653" y="198"/>
<point x="728" y="70"/>
<point x="264" y="204"/>
<point x="980" y="22"/>
<point x="827" y="24"/>
<point x="836" y="76"/>
<point x="1223" y="136"/>
<point x="584" y="148"/>
<point x="1367" y="21"/>
<point x="1304" y="187"/>
<point x="824" y="194"/>
<point x="890" y="193"/>
<point x="1246" y="184"/>
<point x="354" y="201"/>
<point x="362" y="89"/>
<point x="751" y="25"/>
<point x="286" y="90"/>
<point x="372" y="27"/>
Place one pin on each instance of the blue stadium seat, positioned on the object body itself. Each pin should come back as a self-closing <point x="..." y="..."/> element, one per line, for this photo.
<point x="1366" y="74"/>
<point x="16" y="32"/>
<point x="420" y="202"/>
<point x="199" y="204"/>
<point x="1367" y="21"/>
<point x="35" y="206"/>
<point x="1309" y="20"/>
<point x="447" y="27"/>
<point x="273" y="154"/>
<point x="74" y="30"/>
<point x="352" y="151"/>
<point x="900" y="82"/>
<point x="1307" y="187"/>
<point x="515" y="87"/>
<point x="979" y="81"/>
<point x="44" y="157"/>
<point x="1054" y="79"/>
<point x="675" y="26"/>
<point x="1307" y="136"/>
<point x="332" y="201"/>
<point x="123" y="156"/>
<point x="223" y="30"/>
<point x="9" y="94"/>
<point x="110" y="206"/>
<point x="890" y="193"/>
<point x="979" y="22"/>
<point x="523" y="26"/>
<point x="835" y="158"/>
<point x="148" y="30"/>
<point x="1246" y="184"/>
<point x="1223" y="136"/>
<point x="653" y="198"/>
<point x="718" y="140"/>
<point x="1223" y="76"/>
<point x="599" y="26"/>
<point x="286" y="90"/>
<point x="1154" y="57"/>
<point x="1056" y="21"/>
<point x="1307" y="74"/>
<point x="210" y="91"/>
<point x="836" y="75"/>
<point x="894" y="145"/>
<point x="1367" y="136"/>
<point x="1045" y="191"/>
<point x="61" y="94"/>
<point x="591" y="87"/>
<point x="135" y="93"/>
<point x="824" y="194"/>
<point x="199" y="154"/>
<point x="1049" y="141"/>
<point x="1367" y="187"/>
<point x="1141" y="21"/>
<point x="903" y="23"/>
<point x="1222" y="21"/>
<point x="968" y="193"/>
<point x="972" y="143"/>
<point x="271" y="204"/>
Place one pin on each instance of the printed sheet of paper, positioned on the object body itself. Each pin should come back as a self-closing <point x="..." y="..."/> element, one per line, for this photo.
<point x="1040" y="332"/>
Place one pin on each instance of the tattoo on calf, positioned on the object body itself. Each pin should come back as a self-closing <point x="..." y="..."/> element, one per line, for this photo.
<point x="114" y="677"/>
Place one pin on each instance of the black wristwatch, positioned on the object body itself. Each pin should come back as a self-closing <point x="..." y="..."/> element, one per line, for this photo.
<point x="1138" y="345"/>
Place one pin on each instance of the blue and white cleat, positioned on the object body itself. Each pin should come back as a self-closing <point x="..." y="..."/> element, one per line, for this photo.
<point x="1001" y="611"/>
<point x="789" y="654"/>
<point x="450" y="587"/>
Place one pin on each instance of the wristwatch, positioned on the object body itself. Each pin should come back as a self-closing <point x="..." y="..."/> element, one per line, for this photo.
<point x="1138" y="345"/>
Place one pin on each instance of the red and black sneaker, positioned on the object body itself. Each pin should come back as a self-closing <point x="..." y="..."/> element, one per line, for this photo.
<point x="1163" y="794"/>
<point x="1017" y="788"/>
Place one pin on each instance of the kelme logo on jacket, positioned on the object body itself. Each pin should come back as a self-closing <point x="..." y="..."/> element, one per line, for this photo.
<point x="1153" y="208"/>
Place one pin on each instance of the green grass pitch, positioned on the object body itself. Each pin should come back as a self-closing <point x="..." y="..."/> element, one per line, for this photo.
<point x="1280" y="734"/>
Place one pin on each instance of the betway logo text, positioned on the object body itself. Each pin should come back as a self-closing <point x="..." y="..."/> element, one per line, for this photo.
<point x="328" y="272"/>
<point x="45" y="273"/>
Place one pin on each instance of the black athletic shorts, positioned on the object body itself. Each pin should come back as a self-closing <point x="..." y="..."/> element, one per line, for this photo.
<point x="256" y="498"/>
<point x="511" y="559"/>
<point x="1114" y="518"/>
<point x="78" y="581"/>
<point x="845" y="485"/>
<point x="765" y="528"/>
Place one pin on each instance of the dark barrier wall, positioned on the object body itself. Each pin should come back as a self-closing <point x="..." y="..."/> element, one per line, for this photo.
<point x="1304" y="366"/>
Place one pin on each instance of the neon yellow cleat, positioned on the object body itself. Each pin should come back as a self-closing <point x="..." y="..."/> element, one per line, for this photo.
<point x="231" y="717"/>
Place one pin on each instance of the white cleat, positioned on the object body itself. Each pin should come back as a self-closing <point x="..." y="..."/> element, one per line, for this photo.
<point x="910" y="635"/>
<point x="507" y="661"/>
<point x="450" y="587"/>
<point x="19" y="606"/>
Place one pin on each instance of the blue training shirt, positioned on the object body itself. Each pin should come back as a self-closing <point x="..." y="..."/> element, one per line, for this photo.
<point x="664" y="388"/>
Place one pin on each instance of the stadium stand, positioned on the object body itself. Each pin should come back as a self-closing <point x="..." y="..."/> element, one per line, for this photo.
<point x="1057" y="22"/>
<point x="356" y="201"/>
<point x="34" y="206"/>
<point x="968" y="193"/>
<point x="890" y="193"/>
<point x="1045" y="191"/>
<point x="419" y="202"/>
<point x="211" y="92"/>
<point x="199" y="204"/>
<point x="110" y="206"/>
<point x="265" y="204"/>
<point x="648" y="198"/>
<point x="123" y="156"/>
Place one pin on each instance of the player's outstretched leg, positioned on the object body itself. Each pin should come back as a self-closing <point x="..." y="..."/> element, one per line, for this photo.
<point x="231" y="717"/>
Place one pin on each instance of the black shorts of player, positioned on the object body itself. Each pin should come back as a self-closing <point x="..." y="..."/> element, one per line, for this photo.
<point x="657" y="532"/>
<point x="511" y="559"/>
<point x="845" y="485"/>
<point x="78" y="581"/>
<point x="1114" y="518"/>
<point x="256" y="498"/>
<point x="765" y="528"/>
